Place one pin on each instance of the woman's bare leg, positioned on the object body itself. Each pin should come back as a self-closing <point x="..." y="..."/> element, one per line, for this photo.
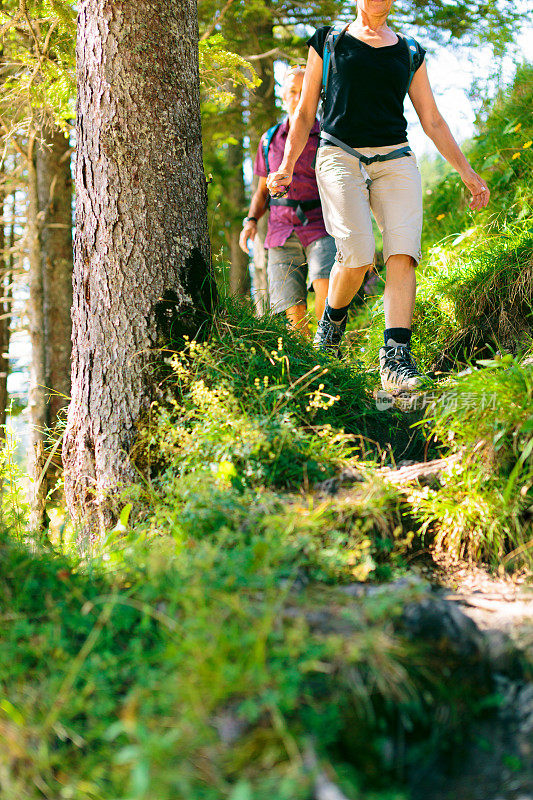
<point x="400" y="292"/>
<point x="344" y="283"/>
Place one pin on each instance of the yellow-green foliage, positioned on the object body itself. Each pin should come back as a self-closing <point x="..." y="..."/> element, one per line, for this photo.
<point x="220" y="67"/>
<point x="257" y="396"/>
<point x="39" y="46"/>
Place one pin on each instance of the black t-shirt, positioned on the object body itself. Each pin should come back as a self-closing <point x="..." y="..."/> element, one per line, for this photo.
<point x="364" y="103"/>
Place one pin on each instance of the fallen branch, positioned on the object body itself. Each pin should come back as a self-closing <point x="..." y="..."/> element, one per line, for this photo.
<point x="415" y="472"/>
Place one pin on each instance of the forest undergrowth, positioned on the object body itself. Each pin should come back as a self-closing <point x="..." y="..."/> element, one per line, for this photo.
<point x="212" y="645"/>
<point x="236" y="632"/>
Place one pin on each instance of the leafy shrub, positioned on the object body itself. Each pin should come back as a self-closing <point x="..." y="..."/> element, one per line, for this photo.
<point x="258" y="401"/>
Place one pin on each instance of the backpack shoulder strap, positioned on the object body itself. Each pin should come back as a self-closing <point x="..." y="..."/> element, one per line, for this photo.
<point x="415" y="56"/>
<point x="328" y="57"/>
<point x="267" y="138"/>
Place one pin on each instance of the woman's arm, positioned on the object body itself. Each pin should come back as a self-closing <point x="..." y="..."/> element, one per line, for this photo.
<point x="301" y="124"/>
<point x="258" y="207"/>
<point x="436" y="128"/>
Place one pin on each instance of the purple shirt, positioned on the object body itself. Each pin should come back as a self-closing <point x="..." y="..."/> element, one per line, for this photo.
<point x="283" y="220"/>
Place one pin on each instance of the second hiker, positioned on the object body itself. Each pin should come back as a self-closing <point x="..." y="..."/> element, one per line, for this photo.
<point x="300" y="252"/>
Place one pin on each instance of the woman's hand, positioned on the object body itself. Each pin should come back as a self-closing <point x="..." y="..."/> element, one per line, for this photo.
<point x="278" y="182"/>
<point x="478" y="188"/>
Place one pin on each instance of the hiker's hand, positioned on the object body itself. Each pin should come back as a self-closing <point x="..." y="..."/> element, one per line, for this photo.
<point x="478" y="188"/>
<point x="249" y="230"/>
<point x="278" y="182"/>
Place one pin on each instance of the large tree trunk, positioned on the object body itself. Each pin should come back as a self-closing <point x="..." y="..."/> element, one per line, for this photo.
<point x="142" y="274"/>
<point x="54" y="185"/>
<point x="239" y="276"/>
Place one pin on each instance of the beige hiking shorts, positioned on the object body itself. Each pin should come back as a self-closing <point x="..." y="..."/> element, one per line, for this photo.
<point x="394" y="196"/>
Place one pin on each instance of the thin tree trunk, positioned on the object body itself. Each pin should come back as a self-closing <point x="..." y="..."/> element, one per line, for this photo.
<point x="239" y="280"/>
<point x="37" y="391"/>
<point x="55" y="210"/>
<point x="263" y="114"/>
<point x="142" y="274"/>
<point x="6" y="309"/>
<point x="4" y="328"/>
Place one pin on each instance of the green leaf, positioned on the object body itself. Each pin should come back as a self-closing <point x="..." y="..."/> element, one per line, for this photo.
<point x="11" y="712"/>
<point x="122" y="524"/>
<point x="242" y="791"/>
<point x="516" y="471"/>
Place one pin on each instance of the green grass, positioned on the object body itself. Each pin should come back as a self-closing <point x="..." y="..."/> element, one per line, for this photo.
<point x="482" y="509"/>
<point x="477" y="298"/>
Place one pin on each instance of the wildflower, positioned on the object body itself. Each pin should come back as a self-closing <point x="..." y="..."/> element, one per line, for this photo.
<point x="265" y="381"/>
<point x="527" y="144"/>
<point x="514" y="156"/>
<point x="440" y="216"/>
<point x="257" y="383"/>
<point x="280" y="343"/>
<point x="252" y="351"/>
<point x="517" y="127"/>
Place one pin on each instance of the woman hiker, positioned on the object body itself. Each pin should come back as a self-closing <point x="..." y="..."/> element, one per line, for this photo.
<point x="300" y="252"/>
<point x="363" y="163"/>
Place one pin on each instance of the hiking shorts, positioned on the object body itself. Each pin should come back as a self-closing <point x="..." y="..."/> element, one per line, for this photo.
<point x="292" y="268"/>
<point x="394" y="197"/>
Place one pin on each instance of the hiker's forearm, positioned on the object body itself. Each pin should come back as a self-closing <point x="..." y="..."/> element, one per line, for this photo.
<point x="297" y="138"/>
<point x="442" y="137"/>
<point x="258" y="203"/>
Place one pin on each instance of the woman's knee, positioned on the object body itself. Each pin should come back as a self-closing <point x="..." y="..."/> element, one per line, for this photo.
<point x="345" y="274"/>
<point x="401" y="262"/>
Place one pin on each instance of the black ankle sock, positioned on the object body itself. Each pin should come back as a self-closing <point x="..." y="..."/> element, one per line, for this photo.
<point x="400" y="335"/>
<point x="336" y="314"/>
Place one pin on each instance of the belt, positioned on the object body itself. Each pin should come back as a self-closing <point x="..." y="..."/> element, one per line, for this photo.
<point x="300" y="206"/>
<point x="400" y="152"/>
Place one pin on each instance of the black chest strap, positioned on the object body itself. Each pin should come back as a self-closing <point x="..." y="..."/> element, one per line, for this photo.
<point x="299" y="206"/>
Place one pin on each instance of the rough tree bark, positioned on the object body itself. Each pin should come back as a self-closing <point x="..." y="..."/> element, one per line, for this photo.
<point x="142" y="273"/>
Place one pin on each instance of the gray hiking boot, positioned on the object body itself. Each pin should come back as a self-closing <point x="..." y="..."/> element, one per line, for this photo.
<point x="398" y="369"/>
<point x="329" y="334"/>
